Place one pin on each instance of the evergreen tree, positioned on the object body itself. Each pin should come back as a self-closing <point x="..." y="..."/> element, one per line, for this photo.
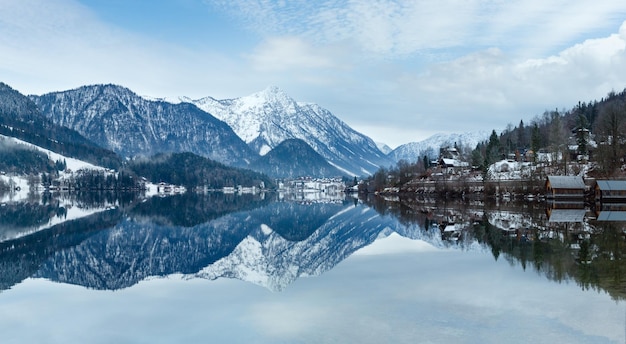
<point x="492" y="151"/>
<point x="521" y="135"/>
<point x="477" y="157"/>
<point x="582" y="134"/>
<point x="535" y="143"/>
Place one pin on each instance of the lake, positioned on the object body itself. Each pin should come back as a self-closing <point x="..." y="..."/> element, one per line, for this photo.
<point x="309" y="269"/>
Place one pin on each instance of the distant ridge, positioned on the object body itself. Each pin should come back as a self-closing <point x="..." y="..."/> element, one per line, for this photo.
<point x="413" y="151"/>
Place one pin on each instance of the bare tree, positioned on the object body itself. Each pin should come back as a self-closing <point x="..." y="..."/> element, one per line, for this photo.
<point x="611" y="137"/>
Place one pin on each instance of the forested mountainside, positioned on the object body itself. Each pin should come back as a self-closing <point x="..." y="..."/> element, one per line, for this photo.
<point x="294" y="158"/>
<point x="192" y="170"/>
<point x="116" y="118"/>
<point x="21" y="118"/>
<point x="594" y="131"/>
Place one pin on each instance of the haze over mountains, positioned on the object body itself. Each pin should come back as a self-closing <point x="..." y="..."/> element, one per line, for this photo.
<point x="267" y="131"/>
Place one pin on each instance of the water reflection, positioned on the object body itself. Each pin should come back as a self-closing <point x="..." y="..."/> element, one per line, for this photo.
<point x="113" y="244"/>
<point x="587" y="246"/>
<point x="385" y="271"/>
<point x="252" y="238"/>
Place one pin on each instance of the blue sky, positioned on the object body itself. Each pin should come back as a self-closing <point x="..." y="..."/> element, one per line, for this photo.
<point x="398" y="71"/>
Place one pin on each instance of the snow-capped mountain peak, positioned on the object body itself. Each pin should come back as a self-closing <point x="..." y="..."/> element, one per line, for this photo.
<point x="267" y="118"/>
<point x="271" y="94"/>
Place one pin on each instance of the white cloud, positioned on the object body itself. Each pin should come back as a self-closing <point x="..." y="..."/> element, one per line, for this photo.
<point x="288" y="53"/>
<point x="392" y="28"/>
<point x="494" y="88"/>
<point x="397" y="70"/>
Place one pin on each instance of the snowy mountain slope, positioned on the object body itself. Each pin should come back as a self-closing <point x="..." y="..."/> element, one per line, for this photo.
<point x="22" y="191"/>
<point x="413" y="151"/>
<point x="383" y="147"/>
<point x="267" y="118"/>
<point x="71" y="163"/>
<point x="116" y="118"/>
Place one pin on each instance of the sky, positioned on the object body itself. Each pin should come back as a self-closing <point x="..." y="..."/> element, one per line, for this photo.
<point x="397" y="71"/>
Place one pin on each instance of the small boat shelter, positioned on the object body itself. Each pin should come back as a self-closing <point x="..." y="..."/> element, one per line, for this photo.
<point x="610" y="191"/>
<point x="565" y="187"/>
<point x="618" y="216"/>
<point x="566" y="215"/>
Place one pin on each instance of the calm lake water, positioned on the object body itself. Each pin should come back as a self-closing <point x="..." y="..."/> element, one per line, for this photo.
<point x="250" y="269"/>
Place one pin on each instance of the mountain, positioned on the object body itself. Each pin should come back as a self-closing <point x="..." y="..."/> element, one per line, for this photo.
<point x="116" y="118"/>
<point x="267" y="118"/>
<point x="21" y="118"/>
<point x="294" y="158"/>
<point x="413" y="151"/>
<point x="383" y="147"/>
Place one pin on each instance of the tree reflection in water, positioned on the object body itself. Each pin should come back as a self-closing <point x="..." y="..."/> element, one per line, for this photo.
<point x="128" y="239"/>
<point x="561" y="244"/>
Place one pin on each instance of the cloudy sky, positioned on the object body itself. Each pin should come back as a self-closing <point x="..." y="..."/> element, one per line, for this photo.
<point x="398" y="71"/>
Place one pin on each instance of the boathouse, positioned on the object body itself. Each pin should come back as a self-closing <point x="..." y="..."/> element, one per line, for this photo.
<point x="565" y="215"/>
<point x="607" y="191"/>
<point x="565" y="188"/>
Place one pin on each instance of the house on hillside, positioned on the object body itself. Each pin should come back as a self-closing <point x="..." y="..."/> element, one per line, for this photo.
<point x="568" y="188"/>
<point x="610" y="191"/>
<point x="449" y="153"/>
<point x="450" y="160"/>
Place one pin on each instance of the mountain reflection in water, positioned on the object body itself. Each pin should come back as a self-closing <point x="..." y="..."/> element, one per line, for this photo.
<point x="270" y="243"/>
<point x="384" y="271"/>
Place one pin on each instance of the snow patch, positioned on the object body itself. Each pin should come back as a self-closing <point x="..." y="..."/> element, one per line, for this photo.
<point x="394" y="244"/>
<point x="264" y="150"/>
<point x="266" y="229"/>
<point x="71" y="163"/>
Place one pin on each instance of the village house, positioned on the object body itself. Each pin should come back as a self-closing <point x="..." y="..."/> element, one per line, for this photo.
<point x="450" y="160"/>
